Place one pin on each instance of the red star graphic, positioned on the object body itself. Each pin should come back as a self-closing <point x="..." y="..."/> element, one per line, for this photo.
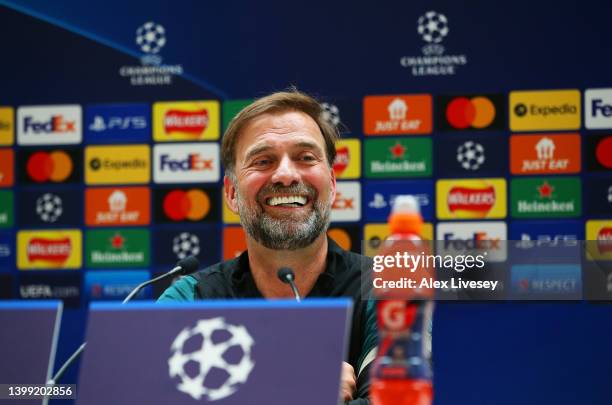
<point x="398" y="151"/>
<point x="117" y="241"/>
<point x="546" y="190"/>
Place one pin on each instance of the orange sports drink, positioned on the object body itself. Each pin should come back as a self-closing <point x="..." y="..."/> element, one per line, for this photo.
<point x="402" y="373"/>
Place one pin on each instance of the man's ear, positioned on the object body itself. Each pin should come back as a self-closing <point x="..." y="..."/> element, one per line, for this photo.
<point x="230" y="194"/>
<point x="333" y="186"/>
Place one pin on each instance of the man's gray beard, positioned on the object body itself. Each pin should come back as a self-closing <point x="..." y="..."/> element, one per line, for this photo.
<point x="284" y="233"/>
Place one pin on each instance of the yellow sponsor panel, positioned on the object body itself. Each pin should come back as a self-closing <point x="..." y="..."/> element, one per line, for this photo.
<point x="374" y="234"/>
<point x="545" y="110"/>
<point x="471" y="198"/>
<point x="348" y="159"/>
<point x="186" y="121"/>
<point x="7" y="126"/>
<point x="125" y="164"/>
<point x="56" y="249"/>
<point x="228" y="216"/>
<point x="599" y="239"/>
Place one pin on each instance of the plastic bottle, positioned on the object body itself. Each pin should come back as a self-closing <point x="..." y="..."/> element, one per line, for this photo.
<point x="402" y="370"/>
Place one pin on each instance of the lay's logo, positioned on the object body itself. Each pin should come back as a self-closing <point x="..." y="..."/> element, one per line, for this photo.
<point x="59" y="249"/>
<point x="347" y="164"/>
<point x="604" y="240"/>
<point x="484" y="198"/>
<point x="186" y="121"/>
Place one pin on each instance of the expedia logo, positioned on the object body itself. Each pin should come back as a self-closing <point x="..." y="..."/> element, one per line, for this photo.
<point x="544" y="110"/>
<point x="471" y="199"/>
<point x="186" y="120"/>
<point x="129" y="164"/>
<point x="485" y="198"/>
<point x="471" y="112"/>
<point x="44" y="125"/>
<point x="187" y="162"/>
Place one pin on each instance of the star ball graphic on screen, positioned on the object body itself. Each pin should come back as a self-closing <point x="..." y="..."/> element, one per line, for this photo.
<point x="474" y="155"/>
<point x="471" y="112"/>
<point x="50" y="207"/>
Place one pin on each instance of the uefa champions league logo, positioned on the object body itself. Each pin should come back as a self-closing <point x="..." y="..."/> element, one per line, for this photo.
<point x="151" y="38"/>
<point x="49" y="207"/>
<point x="221" y="359"/>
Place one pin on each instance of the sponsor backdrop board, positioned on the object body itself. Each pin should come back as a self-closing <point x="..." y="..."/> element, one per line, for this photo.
<point x="112" y="166"/>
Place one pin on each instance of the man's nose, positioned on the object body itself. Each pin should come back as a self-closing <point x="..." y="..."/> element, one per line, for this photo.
<point x="286" y="172"/>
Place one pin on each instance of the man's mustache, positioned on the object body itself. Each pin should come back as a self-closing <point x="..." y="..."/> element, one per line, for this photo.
<point x="299" y="189"/>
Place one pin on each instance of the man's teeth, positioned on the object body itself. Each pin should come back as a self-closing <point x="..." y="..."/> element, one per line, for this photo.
<point x="287" y="200"/>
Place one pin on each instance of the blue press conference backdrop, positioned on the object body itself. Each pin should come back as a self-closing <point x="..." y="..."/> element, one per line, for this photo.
<point x="436" y="91"/>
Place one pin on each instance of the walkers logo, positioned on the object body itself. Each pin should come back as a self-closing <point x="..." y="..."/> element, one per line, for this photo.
<point x="186" y="205"/>
<point x="49" y="125"/>
<point x="231" y="108"/>
<point x="398" y="157"/>
<point x="7" y="250"/>
<point x="50" y="207"/>
<point x="474" y="155"/>
<point x="397" y="115"/>
<point x="600" y="231"/>
<point x="65" y="287"/>
<point x="599" y="153"/>
<point x="347" y="237"/>
<point x="598" y="108"/>
<point x="186" y="163"/>
<point x="186" y="121"/>
<point x="599" y="201"/>
<point x="471" y="112"/>
<point x="58" y="249"/>
<point x="6" y="168"/>
<point x="347" y="205"/>
<point x="169" y="246"/>
<point x="546" y="281"/>
<point x="115" y="285"/>
<point x="461" y="198"/>
<point x="546" y="233"/>
<point x="117" y="248"/>
<point x="348" y="159"/>
<point x="109" y="123"/>
<point x="128" y="164"/>
<point x="7" y="126"/>
<point x="6" y="209"/>
<point x="50" y="166"/>
<point x="464" y="236"/>
<point x="379" y="197"/>
<point x="548" y="197"/>
<point x="544" y="154"/>
<point x="150" y="39"/>
<point x="544" y="110"/>
<point x="374" y="234"/>
<point x="112" y="206"/>
<point x="234" y="242"/>
<point x="433" y="27"/>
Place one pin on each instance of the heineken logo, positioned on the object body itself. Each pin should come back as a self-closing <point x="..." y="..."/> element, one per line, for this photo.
<point x="117" y="248"/>
<point x="479" y="200"/>
<point x="398" y="157"/>
<point x="546" y="198"/>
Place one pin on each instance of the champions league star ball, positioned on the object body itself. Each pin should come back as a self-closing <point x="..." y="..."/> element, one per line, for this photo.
<point x="49" y="207"/>
<point x="151" y="37"/>
<point x="470" y="155"/>
<point x="219" y="355"/>
<point x="331" y="113"/>
<point x="185" y="244"/>
<point x="433" y="27"/>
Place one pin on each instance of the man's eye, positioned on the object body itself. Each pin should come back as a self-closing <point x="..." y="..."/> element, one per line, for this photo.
<point x="261" y="162"/>
<point x="308" y="158"/>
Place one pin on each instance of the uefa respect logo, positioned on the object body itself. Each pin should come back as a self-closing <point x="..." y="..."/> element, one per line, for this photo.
<point x="151" y="39"/>
<point x="433" y="28"/>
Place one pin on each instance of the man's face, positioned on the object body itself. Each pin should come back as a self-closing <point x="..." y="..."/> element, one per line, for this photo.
<point x="284" y="185"/>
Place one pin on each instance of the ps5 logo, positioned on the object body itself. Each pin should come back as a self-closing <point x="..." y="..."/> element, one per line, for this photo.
<point x="100" y="124"/>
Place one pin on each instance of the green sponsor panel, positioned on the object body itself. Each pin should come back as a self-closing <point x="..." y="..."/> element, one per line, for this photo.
<point x="109" y="248"/>
<point x="546" y="197"/>
<point x="231" y="108"/>
<point x="7" y="209"/>
<point x="398" y="157"/>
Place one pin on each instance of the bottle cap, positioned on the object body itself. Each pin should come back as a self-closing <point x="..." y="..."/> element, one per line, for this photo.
<point x="406" y="204"/>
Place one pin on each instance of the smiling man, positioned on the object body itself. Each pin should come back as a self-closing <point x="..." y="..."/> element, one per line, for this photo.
<point x="278" y="154"/>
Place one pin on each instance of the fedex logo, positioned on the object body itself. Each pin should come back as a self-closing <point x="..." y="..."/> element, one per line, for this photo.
<point x="49" y="125"/>
<point x="486" y="237"/>
<point x="479" y="240"/>
<point x="347" y="205"/>
<point x="598" y="108"/>
<point x="186" y="163"/>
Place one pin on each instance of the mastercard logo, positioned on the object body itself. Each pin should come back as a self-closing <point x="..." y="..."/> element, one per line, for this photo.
<point x="603" y="151"/>
<point x="341" y="237"/>
<point x="476" y="112"/>
<point x="53" y="166"/>
<point x="192" y="205"/>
